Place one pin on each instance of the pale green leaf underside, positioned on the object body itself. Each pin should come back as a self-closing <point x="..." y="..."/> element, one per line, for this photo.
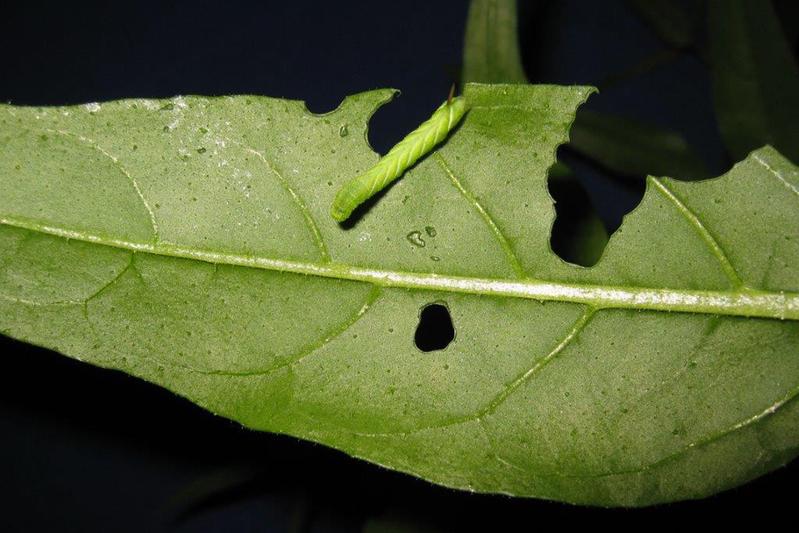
<point x="187" y="242"/>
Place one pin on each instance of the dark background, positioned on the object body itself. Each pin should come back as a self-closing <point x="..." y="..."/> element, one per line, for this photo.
<point x="84" y="449"/>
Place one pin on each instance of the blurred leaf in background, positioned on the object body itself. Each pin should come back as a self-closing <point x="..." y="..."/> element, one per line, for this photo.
<point x="631" y="148"/>
<point x="675" y="23"/>
<point x="578" y="235"/>
<point x="491" y="47"/>
<point x="755" y="78"/>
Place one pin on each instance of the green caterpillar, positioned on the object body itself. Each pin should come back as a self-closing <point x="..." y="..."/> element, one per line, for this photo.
<point x="403" y="155"/>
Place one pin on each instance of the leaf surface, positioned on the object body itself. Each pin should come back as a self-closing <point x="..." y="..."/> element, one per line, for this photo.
<point x="187" y="242"/>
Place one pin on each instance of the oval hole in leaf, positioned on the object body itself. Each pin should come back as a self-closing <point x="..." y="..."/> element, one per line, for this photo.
<point x="435" y="330"/>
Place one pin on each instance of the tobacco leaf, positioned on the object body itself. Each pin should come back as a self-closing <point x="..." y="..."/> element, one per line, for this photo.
<point x="188" y="242"/>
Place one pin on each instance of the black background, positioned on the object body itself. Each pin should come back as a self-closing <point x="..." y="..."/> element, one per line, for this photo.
<point x="84" y="449"/>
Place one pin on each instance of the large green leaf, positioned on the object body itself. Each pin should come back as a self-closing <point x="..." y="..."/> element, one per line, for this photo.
<point x="188" y="242"/>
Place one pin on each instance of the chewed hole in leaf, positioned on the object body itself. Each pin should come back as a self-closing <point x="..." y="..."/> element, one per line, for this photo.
<point x="322" y="104"/>
<point x="435" y="330"/>
<point x="578" y="234"/>
<point x="389" y="124"/>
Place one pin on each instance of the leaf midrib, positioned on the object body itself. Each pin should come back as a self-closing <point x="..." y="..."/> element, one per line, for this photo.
<point x="738" y="302"/>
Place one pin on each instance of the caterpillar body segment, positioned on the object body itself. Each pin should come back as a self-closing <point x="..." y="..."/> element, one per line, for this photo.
<point x="402" y="156"/>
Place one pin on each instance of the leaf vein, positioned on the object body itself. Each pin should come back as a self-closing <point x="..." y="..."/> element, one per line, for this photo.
<point x="310" y="221"/>
<point x="786" y="399"/>
<point x="489" y="220"/>
<point x="491" y="407"/>
<point x="96" y="146"/>
<point x="783" y="401"/>
<point x="768" y="304"/>
<point x="371" y="298"/>
<point x="709" y="240"/>
<point x="774" y="172"/>
<point x="84" y="301"/>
